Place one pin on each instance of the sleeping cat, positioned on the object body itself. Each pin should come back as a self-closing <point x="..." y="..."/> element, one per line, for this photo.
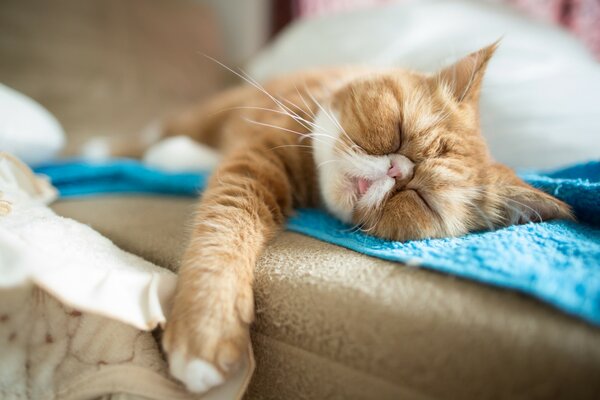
<point x="397" y="153"/>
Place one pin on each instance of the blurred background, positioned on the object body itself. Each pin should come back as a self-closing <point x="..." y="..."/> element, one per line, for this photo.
<point x="112" y="66"/>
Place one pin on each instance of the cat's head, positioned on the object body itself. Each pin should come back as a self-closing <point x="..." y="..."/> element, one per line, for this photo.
<point x="400" y="154"/>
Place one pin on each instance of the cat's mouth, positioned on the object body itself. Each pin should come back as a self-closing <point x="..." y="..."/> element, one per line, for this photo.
<point x="362" y="185"/>
<point x="359" y="186"/>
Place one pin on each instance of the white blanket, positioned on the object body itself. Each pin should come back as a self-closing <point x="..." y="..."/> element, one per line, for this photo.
<point x="75" y="310"/>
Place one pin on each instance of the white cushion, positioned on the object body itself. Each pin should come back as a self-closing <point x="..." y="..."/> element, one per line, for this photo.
<point x="28" y="130"/>
<point x="540" y="102"/>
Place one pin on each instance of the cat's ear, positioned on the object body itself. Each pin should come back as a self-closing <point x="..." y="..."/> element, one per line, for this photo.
<point x="463" y="78"/>
<point x="520" y="203"/>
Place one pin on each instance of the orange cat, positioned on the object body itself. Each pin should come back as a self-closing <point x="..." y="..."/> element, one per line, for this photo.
<point x="398" y="153"/>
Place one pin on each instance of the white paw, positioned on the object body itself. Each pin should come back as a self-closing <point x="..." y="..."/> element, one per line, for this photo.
<point x="197" y="375"/>
<point x="180" y="153"/>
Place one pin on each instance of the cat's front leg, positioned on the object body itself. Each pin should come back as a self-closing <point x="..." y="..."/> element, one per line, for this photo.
<point x="207" y="332"/>
<point x="208" y="329"/>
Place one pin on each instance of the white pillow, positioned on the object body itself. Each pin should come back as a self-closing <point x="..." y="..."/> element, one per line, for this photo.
<point x="28" y="130"/>
<point x="540" y="102"/>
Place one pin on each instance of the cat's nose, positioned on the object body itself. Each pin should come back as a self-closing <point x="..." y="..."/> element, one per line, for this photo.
<point x="399" y="171"/>
<point x="394" y="171"/>
<point x="402" y="172"/>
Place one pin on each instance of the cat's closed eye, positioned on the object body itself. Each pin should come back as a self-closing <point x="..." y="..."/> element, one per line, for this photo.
<point x="399" y="136"/>
<point x="443" y="147"/>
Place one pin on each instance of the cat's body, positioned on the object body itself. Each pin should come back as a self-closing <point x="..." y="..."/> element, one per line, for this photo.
<point x="397" y="153"/>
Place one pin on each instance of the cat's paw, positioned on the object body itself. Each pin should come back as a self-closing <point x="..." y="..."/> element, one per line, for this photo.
<point x="206" y="343"/>
<point x="197" y="375"/>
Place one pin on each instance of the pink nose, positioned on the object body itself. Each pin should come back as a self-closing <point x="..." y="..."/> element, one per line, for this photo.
<point x="394" y="171"/>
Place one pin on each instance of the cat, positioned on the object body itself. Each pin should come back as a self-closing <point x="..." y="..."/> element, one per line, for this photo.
<point x="397" y="153"/>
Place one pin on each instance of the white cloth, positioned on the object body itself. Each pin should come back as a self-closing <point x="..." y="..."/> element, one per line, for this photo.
<point x="75" y="310"/>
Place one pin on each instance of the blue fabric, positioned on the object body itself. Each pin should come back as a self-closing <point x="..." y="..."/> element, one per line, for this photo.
<point x="557" y="262"/>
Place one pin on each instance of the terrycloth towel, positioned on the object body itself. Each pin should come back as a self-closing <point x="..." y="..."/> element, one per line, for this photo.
<point x="557" y="262"/>
<point x="75" y="310"/>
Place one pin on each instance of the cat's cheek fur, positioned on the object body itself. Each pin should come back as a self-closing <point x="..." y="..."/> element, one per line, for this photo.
<point x="336" y="190"/>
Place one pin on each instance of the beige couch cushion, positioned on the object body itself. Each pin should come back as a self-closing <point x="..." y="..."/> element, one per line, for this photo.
<point x="332" y="323"/>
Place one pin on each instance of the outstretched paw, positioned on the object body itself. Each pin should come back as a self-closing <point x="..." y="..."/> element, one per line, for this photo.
<point x="197" y="375"/>
<point x="206" y="343"/>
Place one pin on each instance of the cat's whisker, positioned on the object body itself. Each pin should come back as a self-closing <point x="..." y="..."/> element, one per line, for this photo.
<point x="244" y="76"/>
<point x="258" y="86"/>
<point x="264" y="109"/>
<point x="308" y="108"/>
<point x="374" y="224"/>
<point x="286" y="110"/>
<point x="353" y="229"/>
<point x="331" y="117"/>
<point x="320" y="106"/>
<point x="274" y="111"/>
<point x="291" y="145"/>
<point x="296" y="115"/>
<point x="281" y="128"/>
<point x="327" y="114"/>
<point x="250" y="108"/>
<point x="291" y="103"/>
<point x="363" y="221"/>
<point x="314" y="136"/>
<point x="323" y="163"/>
<point x="300" y="134"/>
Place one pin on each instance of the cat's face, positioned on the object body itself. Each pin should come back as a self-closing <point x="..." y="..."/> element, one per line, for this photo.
<point x="400" y="154"/>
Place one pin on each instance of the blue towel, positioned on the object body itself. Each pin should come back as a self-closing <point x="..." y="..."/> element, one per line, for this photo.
<point x="557" y="261"/>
